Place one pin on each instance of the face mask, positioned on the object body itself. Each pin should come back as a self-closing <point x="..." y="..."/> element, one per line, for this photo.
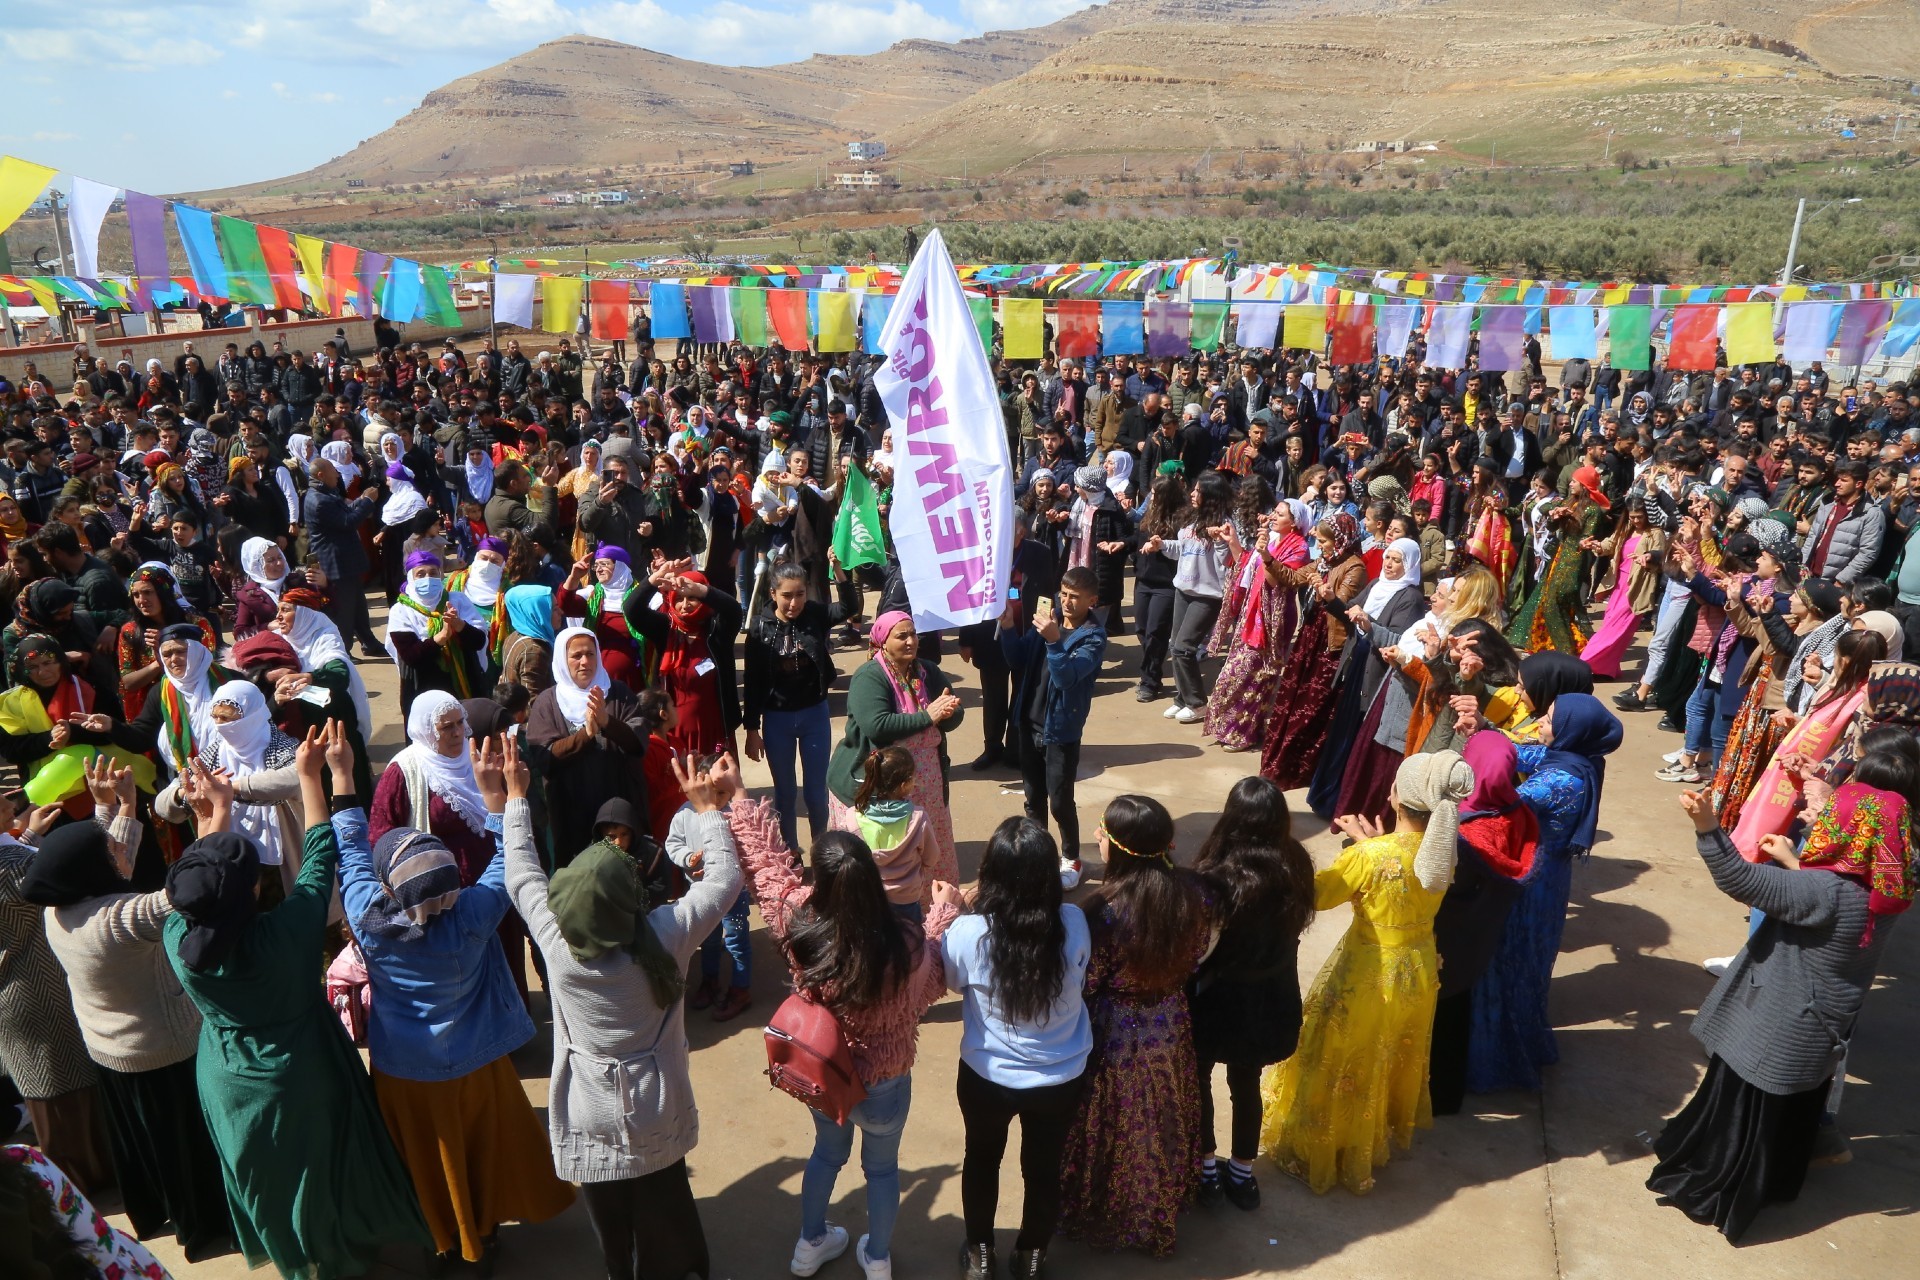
<point x="487" y="573"/>
<point x="426" y="588"/>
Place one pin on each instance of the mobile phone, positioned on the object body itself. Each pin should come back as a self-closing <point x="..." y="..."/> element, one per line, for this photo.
<point x="1043" y="607"/>
<point x="1013" y="593"/>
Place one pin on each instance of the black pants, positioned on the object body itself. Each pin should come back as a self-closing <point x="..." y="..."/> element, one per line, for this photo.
<point x="348" y="606"/>
<point x="1046" y="1114"/>
<point x="1447" y="1057"/>
<point x="1049" y="773"/>
<point x="1243" y="1089"/>
<point x="996" y="688"/>
<point x="1153" y="627"/>
<point x="1193" y="619"/>
<point x="648" y="1227"/>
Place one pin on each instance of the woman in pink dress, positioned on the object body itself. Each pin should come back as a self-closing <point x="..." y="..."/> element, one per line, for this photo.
<point x="1636" y="578"/>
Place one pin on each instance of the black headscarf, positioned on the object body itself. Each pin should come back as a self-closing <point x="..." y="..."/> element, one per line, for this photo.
<point x="617" y="812"/>
<point x="37" y="643"/>
<point x="213" y="887"/>
<point x="72" y="864"/>
<point x="1548" y="674"/>
<point x="44" y="598"/>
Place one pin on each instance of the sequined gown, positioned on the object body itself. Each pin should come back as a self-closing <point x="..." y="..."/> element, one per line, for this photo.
<point x="1358" y="1079"/>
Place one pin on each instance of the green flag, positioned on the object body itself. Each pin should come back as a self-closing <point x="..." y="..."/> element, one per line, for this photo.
<point x="982" y="309"/>
<point x="856" y="530"/>
<point x="1629" y="334"/>
<point x="437" y="298"/>
<point x="247" y="281"/>
<point x="749" y="315"/>
<point x="1209" y="325"/>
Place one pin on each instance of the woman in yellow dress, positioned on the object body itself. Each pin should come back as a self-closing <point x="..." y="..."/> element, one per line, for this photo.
<point x="1359" y="1075"/>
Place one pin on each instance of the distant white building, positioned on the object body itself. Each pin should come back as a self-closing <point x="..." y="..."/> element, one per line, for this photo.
<point x="863" y="152"/>
<point x="866" y="179"/>
<point x="604" y="197"/>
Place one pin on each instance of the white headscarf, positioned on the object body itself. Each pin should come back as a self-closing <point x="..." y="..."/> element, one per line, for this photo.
<point x="318" y="642"/>
<point x="1121" y="477"/>
<point x="196" y="693"/>
<point x="300" y="449"/>
<point x="399" y="448"/>
<point x="404" y="502"/>
<point x="242" y="747"/>
<point x="449" y="777"/>
<point x="340" y="454"/>
<point x="618" y="583"/>
<point x="253" y="562"/>
<point x="480" y="478"/>
<point x="1381" y="593"/>
<point x="1435" y="783"/>
<point x="482" y="586"/>
<point x="572" y="699"/>
<point x="402" y="620"/>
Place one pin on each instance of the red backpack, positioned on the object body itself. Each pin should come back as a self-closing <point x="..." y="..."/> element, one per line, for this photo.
<point x="807" y="1057"/>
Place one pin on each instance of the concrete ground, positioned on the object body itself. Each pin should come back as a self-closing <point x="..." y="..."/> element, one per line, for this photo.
<point x="1527" y="1187"/>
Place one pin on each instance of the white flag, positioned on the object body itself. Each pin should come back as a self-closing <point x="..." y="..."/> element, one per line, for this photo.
<point x="1449" y="335"/>
<point x="953" y="485"/>
<point x="87" y="206"/>
<point x="513" y="299"/>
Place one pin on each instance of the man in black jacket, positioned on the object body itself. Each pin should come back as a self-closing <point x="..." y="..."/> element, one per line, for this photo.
<point x="1515" y="451"/>
<point x="837" y="440"/>
<point x="301" y="385"/>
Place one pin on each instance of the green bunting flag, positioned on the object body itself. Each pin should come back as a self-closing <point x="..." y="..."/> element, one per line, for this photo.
<point x="1629" y="337"/>
<point x="1209" y="325"/>
<point x="437" y="298"/>
<point x="248" y="281"/>
<point x="982" y="309"/>
<point x="856" y="530"/>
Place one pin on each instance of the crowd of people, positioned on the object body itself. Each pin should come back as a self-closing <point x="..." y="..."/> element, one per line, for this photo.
<point x="603" y="582"/>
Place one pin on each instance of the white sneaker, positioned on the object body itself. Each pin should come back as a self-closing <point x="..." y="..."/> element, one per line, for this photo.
<point x="809" y="1256"/>
<point x="1069" y="873"/>
<point x="1186" y="715"/>
<point x="1172" y="712"/>
<point x="881" y="1270"/>
<point x="1673" y="757"/>
<point x="1718" y="965"/>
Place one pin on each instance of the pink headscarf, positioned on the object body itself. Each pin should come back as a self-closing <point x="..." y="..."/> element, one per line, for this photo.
<point x="883" y="626"/>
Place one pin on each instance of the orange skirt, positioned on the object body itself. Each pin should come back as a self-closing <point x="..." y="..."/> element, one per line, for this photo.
<point x="476" y="1152"/>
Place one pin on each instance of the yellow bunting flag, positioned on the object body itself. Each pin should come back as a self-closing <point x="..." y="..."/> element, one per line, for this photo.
<point x="313" y="263"/>
<point x="43" y="294"/>
<point x="560" y="303"/>
<point x="21" y="182"/>
<point x="836" y="321"/>
<point x="1306" y="327"/>
<point x="1750" y="333"/>
<point x="1021" y="323"/>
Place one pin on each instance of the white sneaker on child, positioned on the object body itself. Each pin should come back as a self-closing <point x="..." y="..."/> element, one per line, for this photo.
<point x="1069" y="873"/>
<point x="881" y="1270"/>
<point x="810" y="1255"/>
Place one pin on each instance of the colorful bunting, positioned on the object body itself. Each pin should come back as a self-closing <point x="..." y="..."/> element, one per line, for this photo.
<point x="203" y="250"/>
<point x="1351" y="328"/>
<point x="1077" y="329"/>
<point x="607" y="311"/>
<point x="560" y="303"/>
<point x="1750" y="333"/>
<point x="787" y="311"/>
<point x="21" y="183"/>
<point x="1630" y="337"/>
<point x="1022" y="328"/>
<point x="835" y="325"/>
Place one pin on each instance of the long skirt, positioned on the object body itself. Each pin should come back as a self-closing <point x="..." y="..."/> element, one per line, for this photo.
<point x="1349" y="709"/>
<point x="1242" y="705"/>
<point x="1617" y="626"/>
<point x="1756" y="734"/>
<point x="169" y="1171"/>
<point x="1734" y="1149"/>
<point x="68" y="1128"/>
<point x="477" y="1155"/>
<point x="1370" y="768"/>
<point x="1302" y="701"/>
<point x="1512" y="1033"/>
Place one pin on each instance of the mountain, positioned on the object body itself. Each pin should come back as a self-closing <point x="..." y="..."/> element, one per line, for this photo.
<point x="1165" y="81"/>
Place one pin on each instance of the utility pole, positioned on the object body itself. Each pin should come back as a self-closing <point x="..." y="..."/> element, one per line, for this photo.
<point x="60" y="265"/>
<point x="1793" y="244"/>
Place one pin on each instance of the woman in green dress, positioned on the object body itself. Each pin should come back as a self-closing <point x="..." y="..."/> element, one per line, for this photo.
<point x="1554" y="616"/>
<point x="312" y="1178"/>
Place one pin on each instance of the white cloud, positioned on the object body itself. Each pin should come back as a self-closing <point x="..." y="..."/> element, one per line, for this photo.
<point x="133" y="45"/>
<point x="280" y="90"/>
<point x="1014" y="15"/>
<point x="53" y="135"/>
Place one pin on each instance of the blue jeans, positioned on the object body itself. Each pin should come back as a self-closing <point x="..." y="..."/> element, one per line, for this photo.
<point x="811" y="732"/>
<point x="1707" y="729"/>
<point x="733" y="938"/>
<point x="882" y="1117"/>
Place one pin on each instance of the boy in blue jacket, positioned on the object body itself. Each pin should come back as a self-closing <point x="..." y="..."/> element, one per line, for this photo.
<point x="1055" y="659"/>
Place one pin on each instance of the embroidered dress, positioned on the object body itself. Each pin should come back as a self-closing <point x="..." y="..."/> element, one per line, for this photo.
<point x="1617" y="626"/>
<point x="1552" y="617"/>
<point x="1357" y="1083"/>
<point x="1255" y="631"/>
<point x="1751" y="742"/>
<point x="1132" y="1159"/>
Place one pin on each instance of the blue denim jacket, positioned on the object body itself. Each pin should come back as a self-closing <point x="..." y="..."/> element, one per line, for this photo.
<point x="1073" y="662"/>
<point x="443" y="1005"/>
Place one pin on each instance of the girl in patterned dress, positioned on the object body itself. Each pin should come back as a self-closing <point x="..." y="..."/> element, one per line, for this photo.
<point x="1133" y="1157"/>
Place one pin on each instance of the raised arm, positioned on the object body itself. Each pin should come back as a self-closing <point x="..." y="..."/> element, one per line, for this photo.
<point x="1792" y="897"/>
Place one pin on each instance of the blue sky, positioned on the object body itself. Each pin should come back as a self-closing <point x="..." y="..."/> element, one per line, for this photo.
<point x="190" y="94"/>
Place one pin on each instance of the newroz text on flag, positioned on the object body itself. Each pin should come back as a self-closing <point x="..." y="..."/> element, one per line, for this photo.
<point x="953" y="484"/>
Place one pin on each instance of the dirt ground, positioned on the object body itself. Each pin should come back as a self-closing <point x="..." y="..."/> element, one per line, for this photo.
<point x="1525" y="1187"/>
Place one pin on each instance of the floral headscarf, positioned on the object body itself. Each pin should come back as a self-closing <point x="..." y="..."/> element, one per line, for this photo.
<point x="1866" y="834"/>
<point x="1344" y="532"/>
